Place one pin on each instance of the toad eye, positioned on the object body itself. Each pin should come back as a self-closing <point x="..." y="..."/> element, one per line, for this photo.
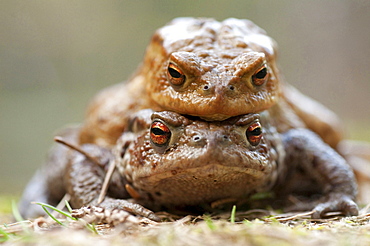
<point x="254" y="133"/>
<point x="160" y="134"/>
<point x="260" y="76"/>
<point x="175" y="75"/>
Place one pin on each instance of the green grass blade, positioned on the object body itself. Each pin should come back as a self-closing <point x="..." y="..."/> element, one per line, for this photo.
<point x="5" y="236"/>
<point x="16" y="213"/>
<point x="44" y="206"/>
<point x="209" y="222"/>
<point x="18" y="217"/>
<point x="55" y="209"/>
<point x="51" y="216"/>
<point x="233" y="212"/>
<point x="68" y="206"/>
<point x="92" y="228"/>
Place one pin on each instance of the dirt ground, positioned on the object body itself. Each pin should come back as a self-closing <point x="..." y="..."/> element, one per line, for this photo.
<point x="256" y="227"/>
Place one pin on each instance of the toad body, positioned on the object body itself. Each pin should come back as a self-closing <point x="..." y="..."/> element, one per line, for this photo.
<point x="166" y="161"/>
<point x="212" y="70"/>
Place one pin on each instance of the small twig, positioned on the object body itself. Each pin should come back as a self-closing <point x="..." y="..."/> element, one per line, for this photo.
<point x="17" y="227"/>
<point x="363" y="215"/>
<point x="295" y="216"/>
<point x="365" y="209"/>
<point x="107" y="178"/>
<point x="96" y="161"/>
<point x="78" y="149"/>
<point x="61" y="205"/>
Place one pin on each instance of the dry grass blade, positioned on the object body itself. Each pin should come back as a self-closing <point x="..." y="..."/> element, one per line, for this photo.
<point x="296" y="216"/>
<point x="112" y="166"/>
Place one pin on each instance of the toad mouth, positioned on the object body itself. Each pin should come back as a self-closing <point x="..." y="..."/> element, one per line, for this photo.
<point x="213" y="171"/>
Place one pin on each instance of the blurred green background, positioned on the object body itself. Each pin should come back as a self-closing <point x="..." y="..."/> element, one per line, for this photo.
<point x="55" y="55"/>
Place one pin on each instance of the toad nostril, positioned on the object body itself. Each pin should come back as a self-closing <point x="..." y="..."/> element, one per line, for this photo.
<point x="225" y="139"/>
<point x="199" y="140"/>
<point x="196" y="138"/>
<point x="222" y="139"/>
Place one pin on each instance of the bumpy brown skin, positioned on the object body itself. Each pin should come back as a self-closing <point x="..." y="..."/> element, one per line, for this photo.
<point x="204" y="164"/>
<point x="218" y="60"/>
<point x="317" y="168"/>
<point x="50" y="183"/>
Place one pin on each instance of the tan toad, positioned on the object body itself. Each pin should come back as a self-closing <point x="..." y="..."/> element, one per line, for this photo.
<point x="214" y="70"/>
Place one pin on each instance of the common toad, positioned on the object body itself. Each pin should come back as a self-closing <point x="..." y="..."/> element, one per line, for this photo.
<point x="214" y="70"/>
<point x="168" y="161"/>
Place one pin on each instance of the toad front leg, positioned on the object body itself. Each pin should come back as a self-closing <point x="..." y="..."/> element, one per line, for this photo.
<point x="312" y="166"/>
<point x="84" y="181"/>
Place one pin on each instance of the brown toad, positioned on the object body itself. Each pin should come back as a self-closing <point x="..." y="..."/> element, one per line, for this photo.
<point x="214" y="70"/>
<point x="168" y="161"/>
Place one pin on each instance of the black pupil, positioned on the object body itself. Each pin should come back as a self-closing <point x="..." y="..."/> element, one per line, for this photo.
<point x="174" y="73"/>
<point x="261" y="74"/>
<point x="256" y="132"/>
<point x="157" y="131"/>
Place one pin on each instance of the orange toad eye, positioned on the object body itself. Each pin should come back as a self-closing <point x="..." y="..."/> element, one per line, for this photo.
<point x="175" y="75"/>
<point x="260" y="76"/>
<point x="254" y="134"/>
<point x="160" y="134"/>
